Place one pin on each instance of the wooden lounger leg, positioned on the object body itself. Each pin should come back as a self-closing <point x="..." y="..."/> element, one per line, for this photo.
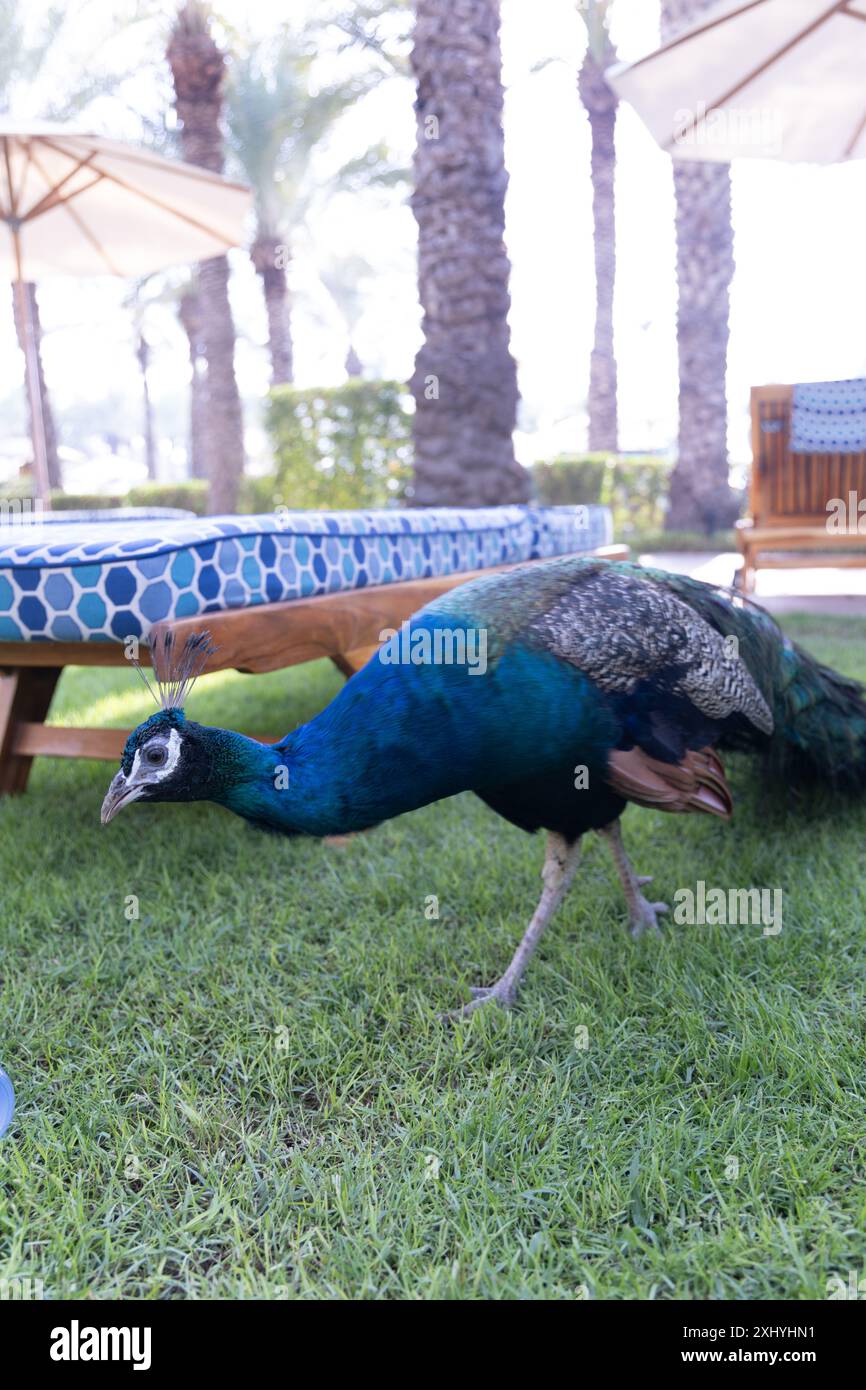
<point x="350" y="662"/>
<point x="25" y="696"/>
<point x="749" y="572"/>
<point x="745" y="578"/>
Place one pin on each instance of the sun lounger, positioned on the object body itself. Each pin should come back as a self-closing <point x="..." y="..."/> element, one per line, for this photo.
<point x="273" y="591"/>
<point x="808" y="473"/>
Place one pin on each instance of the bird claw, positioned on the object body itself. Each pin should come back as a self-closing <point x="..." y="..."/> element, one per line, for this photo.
<point x="500" y="994"/>
<point x="646" y="916"/>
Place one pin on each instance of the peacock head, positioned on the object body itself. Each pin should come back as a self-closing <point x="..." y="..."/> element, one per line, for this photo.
<point x="168" y="757"/>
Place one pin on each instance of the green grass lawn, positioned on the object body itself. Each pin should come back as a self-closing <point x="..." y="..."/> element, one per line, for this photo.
<point x="246" y="1093"/>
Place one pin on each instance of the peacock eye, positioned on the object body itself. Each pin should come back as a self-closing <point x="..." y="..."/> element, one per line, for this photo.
<point x="155" y="756"/>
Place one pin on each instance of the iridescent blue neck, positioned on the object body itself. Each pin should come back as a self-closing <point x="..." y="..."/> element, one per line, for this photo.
<point x="400" y="736"/>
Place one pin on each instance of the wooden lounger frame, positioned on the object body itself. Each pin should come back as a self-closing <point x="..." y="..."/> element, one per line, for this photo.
<point x="789" y="495"/>
<point x="342" y="626"/>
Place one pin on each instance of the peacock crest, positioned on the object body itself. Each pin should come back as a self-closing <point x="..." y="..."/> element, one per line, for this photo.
<point x="175" y="669"/>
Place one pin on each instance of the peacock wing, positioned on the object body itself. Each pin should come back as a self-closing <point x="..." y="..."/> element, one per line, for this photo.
<point x="622" y="630"/>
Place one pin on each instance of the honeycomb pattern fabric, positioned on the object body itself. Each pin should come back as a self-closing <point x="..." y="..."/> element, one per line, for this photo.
<point x="107" y="580"/>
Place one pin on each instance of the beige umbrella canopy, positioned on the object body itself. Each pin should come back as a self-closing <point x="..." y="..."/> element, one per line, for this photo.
<point x="78" y="204"/>
<point x="782" y="79"/>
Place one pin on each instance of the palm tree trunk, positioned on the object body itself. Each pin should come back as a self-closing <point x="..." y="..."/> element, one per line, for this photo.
<point x="700" y="495"/>
<point x="55" y="479"/>
<point x="265" y="256"/>
<point x="465" y="378"/>
<point x="142" y="353"/>
<point x="224" y="430"/>
<point x="197" y="421"/>
<point x="198" y="70"/>
<point x="189" y="313"/>
<point x="600" y="103"/>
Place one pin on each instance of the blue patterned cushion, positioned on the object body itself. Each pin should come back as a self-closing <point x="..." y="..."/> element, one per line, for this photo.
<point x="563" y="530"/>
<point x="829" y="417"/>
<point x="104" y="581"/>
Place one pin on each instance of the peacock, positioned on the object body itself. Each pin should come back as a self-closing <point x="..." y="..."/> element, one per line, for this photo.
<point x="558" y="692"/>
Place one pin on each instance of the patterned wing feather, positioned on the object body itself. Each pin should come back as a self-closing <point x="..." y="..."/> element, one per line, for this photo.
<point x="621" y="629"/>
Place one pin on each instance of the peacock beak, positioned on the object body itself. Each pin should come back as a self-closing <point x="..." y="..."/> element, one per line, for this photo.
<point x="119" y="794"/>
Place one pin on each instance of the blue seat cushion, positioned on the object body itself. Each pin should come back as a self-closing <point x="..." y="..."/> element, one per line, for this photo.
<point x="105" y="581"/>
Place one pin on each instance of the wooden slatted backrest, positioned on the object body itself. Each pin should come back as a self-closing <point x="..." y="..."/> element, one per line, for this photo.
<point x="794" y="489"/>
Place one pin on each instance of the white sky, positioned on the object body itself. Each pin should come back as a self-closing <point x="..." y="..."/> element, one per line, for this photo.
<point x="799" y="293"/>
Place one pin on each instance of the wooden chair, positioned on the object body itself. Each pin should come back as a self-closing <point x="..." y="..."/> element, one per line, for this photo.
<point x="343" y="626"/>
<point x="789" y="496"/>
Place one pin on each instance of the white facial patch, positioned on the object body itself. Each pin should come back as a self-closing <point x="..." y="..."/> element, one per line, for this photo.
<point x="142" y="771"/>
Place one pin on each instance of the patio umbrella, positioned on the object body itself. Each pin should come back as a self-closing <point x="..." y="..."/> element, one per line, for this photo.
<point x="780" y="79"/>
<point x="79" y="204"/>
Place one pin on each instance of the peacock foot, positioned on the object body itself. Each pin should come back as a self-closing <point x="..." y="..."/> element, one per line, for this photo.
<point x="502" y="993"/>
<point x="644" y="915"/>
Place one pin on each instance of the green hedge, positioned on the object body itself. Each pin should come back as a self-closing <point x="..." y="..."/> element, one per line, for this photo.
<point x="259" y="495"/>
<point x="84" y="501"/>
<point x="642" y="541"/>
<point x="571" y="479"/>
<point x="634" y="487"/>
<point x="190" y="494"/>
<point x="17" y="489"/>
<point x="340" y="446"/>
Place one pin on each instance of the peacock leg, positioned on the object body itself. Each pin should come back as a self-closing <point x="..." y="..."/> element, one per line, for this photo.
<point x="642" y="914"/>
<point x="560" y="863"/>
